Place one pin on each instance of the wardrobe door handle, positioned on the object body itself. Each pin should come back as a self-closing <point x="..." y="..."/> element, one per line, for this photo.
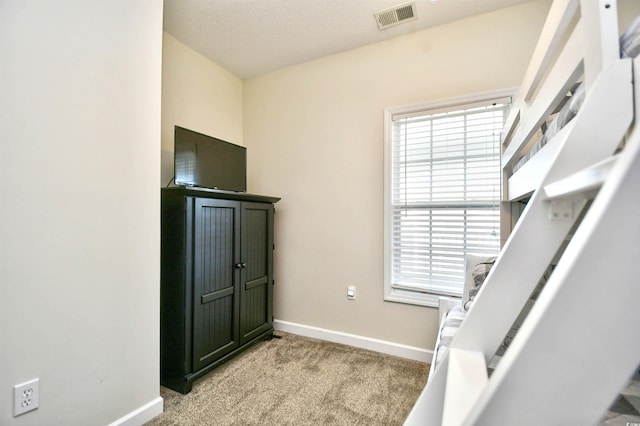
<point x="240" y="265"/>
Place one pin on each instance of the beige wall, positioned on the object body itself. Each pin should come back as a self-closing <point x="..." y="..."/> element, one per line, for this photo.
<point x="628" y="10"/>
<point x="199" y="95"/>
<point x="80" y="209"/>
<point x="314" y="134"/>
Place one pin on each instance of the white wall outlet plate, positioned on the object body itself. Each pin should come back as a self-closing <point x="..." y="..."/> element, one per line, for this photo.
<point x="351" y="292"/>
<point x="26" y="397"/>
<point x="560" y="210"/>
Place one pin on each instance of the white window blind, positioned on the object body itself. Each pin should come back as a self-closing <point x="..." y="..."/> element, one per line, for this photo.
<point x="444" y="193"/>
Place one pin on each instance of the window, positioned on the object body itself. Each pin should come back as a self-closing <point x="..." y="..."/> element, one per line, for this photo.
<point x="442" y="194"/>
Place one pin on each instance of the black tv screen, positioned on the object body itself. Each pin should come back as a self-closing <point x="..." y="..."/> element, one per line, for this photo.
<point x="208" y="162"/>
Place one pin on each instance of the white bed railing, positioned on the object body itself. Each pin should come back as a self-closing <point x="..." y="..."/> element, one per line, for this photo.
<point x="576" y="43"/>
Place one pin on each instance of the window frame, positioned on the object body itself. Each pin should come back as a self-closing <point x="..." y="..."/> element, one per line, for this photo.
<point x="410" y="296"/>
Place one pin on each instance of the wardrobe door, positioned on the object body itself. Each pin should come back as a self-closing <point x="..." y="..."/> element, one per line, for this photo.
<point x="216" y="273"/>
<point x="256" y="312"/>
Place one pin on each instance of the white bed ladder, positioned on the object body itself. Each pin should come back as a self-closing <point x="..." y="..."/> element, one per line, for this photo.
<point x="576" y="349"/>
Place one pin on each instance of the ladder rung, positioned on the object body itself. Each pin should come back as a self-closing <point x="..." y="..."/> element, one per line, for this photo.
<point x="466" y="378"/>
<point x="585" y="182"/>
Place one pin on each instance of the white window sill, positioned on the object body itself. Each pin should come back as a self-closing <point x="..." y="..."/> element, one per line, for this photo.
<point x="412" y="298"/>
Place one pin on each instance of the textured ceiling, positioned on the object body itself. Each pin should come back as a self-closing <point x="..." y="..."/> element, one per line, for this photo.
<point x="253" y="37"/>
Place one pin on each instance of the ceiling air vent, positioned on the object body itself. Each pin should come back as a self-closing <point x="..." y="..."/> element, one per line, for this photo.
<point x="395" y="15"/>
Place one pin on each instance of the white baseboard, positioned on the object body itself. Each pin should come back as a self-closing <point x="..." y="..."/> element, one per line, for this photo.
<point x="389" y="348"/>
<point x="142" y="414"/>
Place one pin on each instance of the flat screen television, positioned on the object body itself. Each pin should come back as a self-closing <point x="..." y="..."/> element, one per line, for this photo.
<point x="204" y="161"/>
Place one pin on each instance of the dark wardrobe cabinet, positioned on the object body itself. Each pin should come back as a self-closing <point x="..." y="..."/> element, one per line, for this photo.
<point x="216" y="295"/>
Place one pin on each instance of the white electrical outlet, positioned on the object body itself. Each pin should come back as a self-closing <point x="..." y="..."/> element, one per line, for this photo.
<point x="26" y="397"/>
<point x="351" y="292"/>
<point x="560" y="210"/>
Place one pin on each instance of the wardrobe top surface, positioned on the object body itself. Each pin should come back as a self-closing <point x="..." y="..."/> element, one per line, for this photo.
<point x="216" y="193"/>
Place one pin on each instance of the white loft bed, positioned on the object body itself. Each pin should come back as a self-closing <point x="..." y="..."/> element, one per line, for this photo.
<point x="575" y="349"/>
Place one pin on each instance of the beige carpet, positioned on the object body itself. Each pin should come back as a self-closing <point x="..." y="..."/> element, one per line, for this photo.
<point x="300" y="381"/>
